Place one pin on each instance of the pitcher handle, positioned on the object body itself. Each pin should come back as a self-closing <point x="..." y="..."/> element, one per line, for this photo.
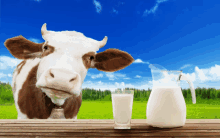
<point x="183" y="77"/>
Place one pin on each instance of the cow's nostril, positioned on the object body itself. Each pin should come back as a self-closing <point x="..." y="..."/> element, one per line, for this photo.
<point x="51" y="74"/>
<point x="72" y="79"/>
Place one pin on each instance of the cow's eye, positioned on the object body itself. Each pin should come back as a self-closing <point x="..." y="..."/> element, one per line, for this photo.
<point x="45" y="47"/>
<point x="92" y="57"/>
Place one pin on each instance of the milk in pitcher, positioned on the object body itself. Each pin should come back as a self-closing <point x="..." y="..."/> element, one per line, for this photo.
<point x="166" y="107"/>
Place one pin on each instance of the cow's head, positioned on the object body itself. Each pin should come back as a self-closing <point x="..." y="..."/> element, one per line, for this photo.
<point x="66" y="57"/>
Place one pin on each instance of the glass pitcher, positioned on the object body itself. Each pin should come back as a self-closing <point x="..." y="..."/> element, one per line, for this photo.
<point x="166" y="106"/>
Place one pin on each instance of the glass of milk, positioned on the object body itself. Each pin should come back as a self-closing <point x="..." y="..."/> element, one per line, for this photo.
<point x="122" y="102"/>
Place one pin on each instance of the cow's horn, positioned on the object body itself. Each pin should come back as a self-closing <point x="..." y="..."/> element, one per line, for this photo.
<point x="44" y="29"/>
<point x="103" y="42"/>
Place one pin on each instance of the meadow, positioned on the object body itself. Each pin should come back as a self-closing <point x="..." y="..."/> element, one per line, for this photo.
<point x="98" y="105"/>
<point x="207" y="109"/>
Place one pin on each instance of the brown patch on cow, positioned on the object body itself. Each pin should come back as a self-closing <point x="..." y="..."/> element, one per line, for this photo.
<point x="49" y="50"/>
<point x="22" y="48"/>
<point x="71" y="106"/>
<point x="112" y="60"/>
<point x="20" y="65"/>
<point x="87" y="60"/>
<point x="32" y="101"/>
<point x="36" y="104"/>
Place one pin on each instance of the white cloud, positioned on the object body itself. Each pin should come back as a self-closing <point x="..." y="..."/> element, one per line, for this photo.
<point x="144" y="86"/>
<point x="100" y="75"/>
<point x="115" y="11"/>
<point x="200" y="73"/>
<point x="8" y="62"/>
<point x="97" y="6"/>
<point x="191" y="76"/>
<point x="127" y="78"/>
<point x="120" y="75"/>
<point x="137" y="76"/>
<point x="140" y="61"/>
<point x="2" y="75"/>
<point x="160" y="1"/>
<point x="120" y="84"/>
<point x="204" y="75"/>
<point x="7" y="65"/>
<point x="109" y="75"/>
<point x="35" y="40"/>
<point x="153" y="9"/>
<point x="113" y="76"/>
<point x="200" y="78"/>
<point x="106" y="86"/>
<point x="100" y="82"/>
<point x="185" y="66"/>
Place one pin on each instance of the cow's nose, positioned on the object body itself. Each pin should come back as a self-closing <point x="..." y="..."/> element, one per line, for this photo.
<point x="61" y="74"/>
<point x="61" y="79"/>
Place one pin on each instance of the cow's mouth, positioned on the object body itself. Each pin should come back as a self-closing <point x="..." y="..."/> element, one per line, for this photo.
<point x="58" y="93"/>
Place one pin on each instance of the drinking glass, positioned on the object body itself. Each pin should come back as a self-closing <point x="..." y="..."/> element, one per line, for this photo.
<point x="122" y="103"/>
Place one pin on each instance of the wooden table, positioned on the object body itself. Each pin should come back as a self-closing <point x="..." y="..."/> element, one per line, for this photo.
<point x="104" y="128"/>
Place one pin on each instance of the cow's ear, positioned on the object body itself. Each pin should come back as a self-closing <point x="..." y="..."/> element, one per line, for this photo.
<point x="22" y="48"/>
<point x="111" y="60"/>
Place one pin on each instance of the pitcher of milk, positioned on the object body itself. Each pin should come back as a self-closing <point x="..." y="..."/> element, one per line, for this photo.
<point x="166" y="106"/>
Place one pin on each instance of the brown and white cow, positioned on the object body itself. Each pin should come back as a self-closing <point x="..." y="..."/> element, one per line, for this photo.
<point x="51" y="73"/>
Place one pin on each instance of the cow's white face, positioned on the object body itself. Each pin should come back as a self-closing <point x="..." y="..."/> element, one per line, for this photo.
<point x="65" y="59"/>
<point x="69" y="52"/>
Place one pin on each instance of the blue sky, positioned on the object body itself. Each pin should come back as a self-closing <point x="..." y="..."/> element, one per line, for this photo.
<point x="176" y="34"/>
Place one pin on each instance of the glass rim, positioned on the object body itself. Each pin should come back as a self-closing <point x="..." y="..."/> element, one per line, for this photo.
<point x="119" y="91"/>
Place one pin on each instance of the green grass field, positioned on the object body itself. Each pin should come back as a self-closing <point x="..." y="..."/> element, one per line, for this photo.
<point x="203" y="109"/>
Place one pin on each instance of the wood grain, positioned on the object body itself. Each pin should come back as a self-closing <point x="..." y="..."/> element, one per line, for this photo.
<point x="104" y="128"/>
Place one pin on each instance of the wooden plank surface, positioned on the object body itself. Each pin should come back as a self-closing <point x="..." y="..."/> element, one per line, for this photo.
<point x="115" y="134"/>
<point x="96" y="121"/>
<point x="104" y="128"/>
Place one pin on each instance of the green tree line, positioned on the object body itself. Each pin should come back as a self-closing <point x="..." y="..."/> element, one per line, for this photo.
<point x="6" y="94"/>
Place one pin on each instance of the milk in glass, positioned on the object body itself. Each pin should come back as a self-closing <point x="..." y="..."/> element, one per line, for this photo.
<point x="122" y="109"/>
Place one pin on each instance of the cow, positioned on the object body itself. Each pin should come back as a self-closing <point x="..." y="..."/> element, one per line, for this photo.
<point x="51" y="73"/>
